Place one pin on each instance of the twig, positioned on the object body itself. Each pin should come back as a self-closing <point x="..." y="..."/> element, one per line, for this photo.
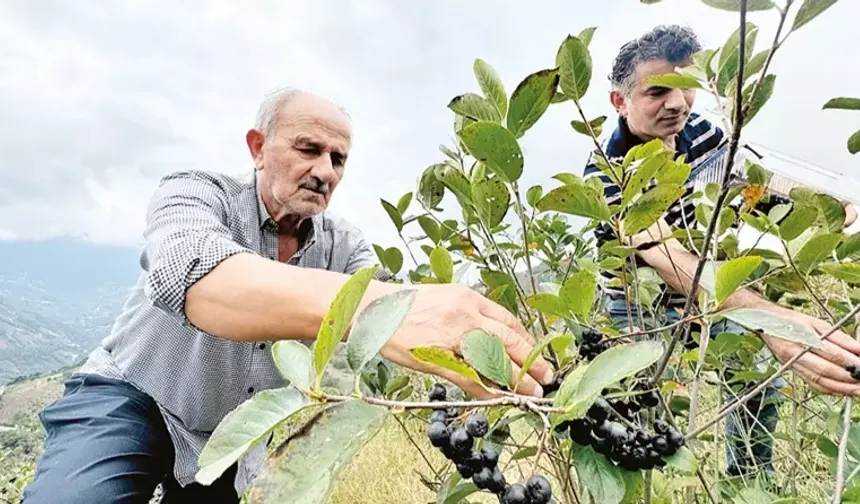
<point x="843" y="449"/>
<point x="420" y="451"/>
<point x="508" y="400"/>
<point x="414" y="261"/>
<point x="526" y="253"/>
<point x="774" y="46"/>
<point x="761" y="386"/>
<point x="543" y="435"/>
<point x="721" y="198"/>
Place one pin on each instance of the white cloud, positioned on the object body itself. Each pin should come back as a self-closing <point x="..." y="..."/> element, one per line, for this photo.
<point x="100" y="99"/>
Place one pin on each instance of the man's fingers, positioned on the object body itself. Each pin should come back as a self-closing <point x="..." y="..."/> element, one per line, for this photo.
<point x="518" y="349"/>
<point x="527" y="385"/>
<point x="827" y="367"/>
<point x="825" y="385"/>
<point x="498" y="313"/>
<point x="838" y="338"/>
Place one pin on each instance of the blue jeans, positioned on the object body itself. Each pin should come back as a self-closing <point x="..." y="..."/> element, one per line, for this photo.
<point x="749" y="431"/>
<point x="106" y="443"/>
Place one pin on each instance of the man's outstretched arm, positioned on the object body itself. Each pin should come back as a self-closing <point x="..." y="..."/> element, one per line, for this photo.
<point x="823" y="369"/>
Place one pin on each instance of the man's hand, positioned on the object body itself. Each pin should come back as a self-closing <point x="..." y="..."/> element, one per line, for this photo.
<point x="438" y="318"/>
<point x="850" y="215"/>
<point x="823" y="370"/>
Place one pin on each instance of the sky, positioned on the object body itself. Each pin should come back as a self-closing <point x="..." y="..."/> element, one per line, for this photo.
<point x="100" y="99"/>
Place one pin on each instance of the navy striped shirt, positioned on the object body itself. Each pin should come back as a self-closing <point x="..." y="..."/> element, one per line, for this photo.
<point x="698" y="142"/>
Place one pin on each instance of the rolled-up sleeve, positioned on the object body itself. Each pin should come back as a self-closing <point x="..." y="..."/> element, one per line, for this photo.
<point x="186" y="237"/>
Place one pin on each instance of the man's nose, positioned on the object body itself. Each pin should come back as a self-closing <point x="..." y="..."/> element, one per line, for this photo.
<point x="675" y="100"/>
<point x="323" y="169"/>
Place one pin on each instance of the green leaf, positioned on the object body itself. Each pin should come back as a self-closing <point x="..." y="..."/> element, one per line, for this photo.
<point x="849" y="247"/>
<point x="586" y="35"/>
<point x="674" y="81"/>
<point x="486" y="354"/>
<point x="729" y="62"/>
<point x="431" y="190"/>
<point x="774" y="325"/>
<point x="854" y="143"/>
<point x="832" y="211"/>
<point x="634" y="486"/>
<point x="602" y="478"/>
<point x="684" y="459"/>
<point x="574" y="65"/>
<point x="809" y="10"/>
<point x="849" y="272"/>
<point x="596" y="126"/>
<point x="307" y="468"/>
<point x="491" y="198"/>
<point x="475" y="107"/>
<point x="394" y="259"/>
<point x="394" y="214"/>
<point x="533" y="195"/>
<point x="244" y="427"/>
<point x="430" y="228"/>
<point x="445" y="359"/>
<point x="562" y="339"/>
<point x="761" y="97"/>
<point x="375" y="325"/>
<point x="495" y="146"/>
<point x="576" y="200"/>
<point x="527" y="452"/>
<point x="578" y="293"/>
<point x="816" y="250"/>
<point x="548" y="303"/>
<point x="843" y="103"/>
<point x="614" y="365"/>
<point x="756" y="64"/>
<point x="798" y="221"/>
<point x="643" y="174"/>
<point x="453" y="179"/>
<point x="530" y="100"/>
<point x="491" y="85"/>
<point x="403" y="203"/>
<point x="674" y="173"/>
<point x="735" y="5"/>
<point x="650" y="207"/>
<point x="338" y="318"/>
<point x="733" y="273"/>
<point x="293" y="359"/>
<point x="441" y="264"/>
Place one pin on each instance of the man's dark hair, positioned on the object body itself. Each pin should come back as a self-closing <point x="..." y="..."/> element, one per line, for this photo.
<point x="669" y="42"/>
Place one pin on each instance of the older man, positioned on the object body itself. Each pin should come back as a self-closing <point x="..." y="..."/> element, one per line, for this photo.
<point x="229" y="267"/>
<point x="646" y="112"/>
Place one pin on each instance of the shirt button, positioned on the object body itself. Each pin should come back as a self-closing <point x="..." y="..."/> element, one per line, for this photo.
<point x="250" y="390"/>
<point x="262" y="346"/>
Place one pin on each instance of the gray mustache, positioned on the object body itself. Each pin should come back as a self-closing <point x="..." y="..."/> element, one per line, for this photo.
<point x="315" y="184"/>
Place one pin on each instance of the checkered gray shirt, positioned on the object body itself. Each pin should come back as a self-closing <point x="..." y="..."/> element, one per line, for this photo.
<point x="195" y="220"/>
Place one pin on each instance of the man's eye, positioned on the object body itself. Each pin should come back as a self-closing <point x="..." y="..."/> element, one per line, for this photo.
<point x="309" y="150"/>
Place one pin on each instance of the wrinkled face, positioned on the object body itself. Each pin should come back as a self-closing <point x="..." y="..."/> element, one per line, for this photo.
<point x="654" y="111"/>
<point x="303" y="160"/>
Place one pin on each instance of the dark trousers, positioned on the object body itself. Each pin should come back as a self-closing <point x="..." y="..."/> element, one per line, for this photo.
<point x="106" y="443"/>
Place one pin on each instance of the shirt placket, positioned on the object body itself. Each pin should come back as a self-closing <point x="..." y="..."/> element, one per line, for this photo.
<point x="269" y="249"/>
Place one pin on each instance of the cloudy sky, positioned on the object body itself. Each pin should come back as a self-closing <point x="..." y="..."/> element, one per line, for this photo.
<point x="99" y="99"/>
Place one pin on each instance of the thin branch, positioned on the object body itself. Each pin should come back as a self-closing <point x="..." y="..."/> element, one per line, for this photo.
<point x="420" y="451"/>
<point x="774" y="46"/>
<point x="843" y="450"/>
<point x="761" y="386"/>
<point x="507" y="400"/>
<point x="721" y="198"/>
<point x="408" y="249"/>
<point x="526" y="253"/>
<point x="543" y="435"/>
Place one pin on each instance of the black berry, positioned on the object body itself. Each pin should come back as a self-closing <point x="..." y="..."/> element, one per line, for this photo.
<point x="676" y="439"/>
<point x="591" y="336"/>
<point x="603" y="429"/>
<point x="515" y="494"/>
<point x="438" y="416"/>
<point x="437" y="392"/>
<point x="477" y="425"/>
<point x="497" y="481"/>
<point x="438" y="433"/>
<point x="465" y="470"/>
<point x="538" y="489"/>
<point x="461" y="441"/>
<point x="661" y="427"/>
<point x="475" y="460"/>
<point x="491" y="456"/>
<point x="599" y="411"/>
<point x="617" y="433"/>
<point x="661" y="445"/>
<point x="482" y="479"/>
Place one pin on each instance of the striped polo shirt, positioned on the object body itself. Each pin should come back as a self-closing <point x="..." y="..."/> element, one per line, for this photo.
<point x="700" y="143"/>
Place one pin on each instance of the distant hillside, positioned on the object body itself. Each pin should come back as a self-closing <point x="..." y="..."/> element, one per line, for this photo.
<point x="58" y="299"/>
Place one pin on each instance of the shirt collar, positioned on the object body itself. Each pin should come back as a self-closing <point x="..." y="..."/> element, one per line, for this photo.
<point x="622" y="139"/>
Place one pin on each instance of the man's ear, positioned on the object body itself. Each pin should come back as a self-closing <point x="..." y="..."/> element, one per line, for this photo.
<point x="255" y="139"/>
<point x="616" y="98"/>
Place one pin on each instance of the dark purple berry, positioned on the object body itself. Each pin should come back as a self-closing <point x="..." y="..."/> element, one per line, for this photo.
<point x="515" y="494"/>
<point x="490" y="456"/>
<point x="661" y="427"/>
<point x="461" y="441"/>
<point x="438" y="434"/>
<point x="465" y="470"/>
<point x="617" y="434"/>
<point x="676" y="439"/>
<point x="475" y="460"/>
<point x="650" y="400"/>
<point x="482" y="479"/>
<point x="497" y="481"/>
<point x="477" y="425"/>
<point x="538" y="489"/>
<point x="438" y="416"/>
<point x="599" y="410"/>
<point x="437" y="392"/>
<point x="603" y="429"/>
<point x="591" y="336"/>
<point x="661" y="445"/>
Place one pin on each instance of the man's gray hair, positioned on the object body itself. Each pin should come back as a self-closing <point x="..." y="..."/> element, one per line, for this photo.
<point x="668" y="42"/>
<point x="273" y="103"/>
